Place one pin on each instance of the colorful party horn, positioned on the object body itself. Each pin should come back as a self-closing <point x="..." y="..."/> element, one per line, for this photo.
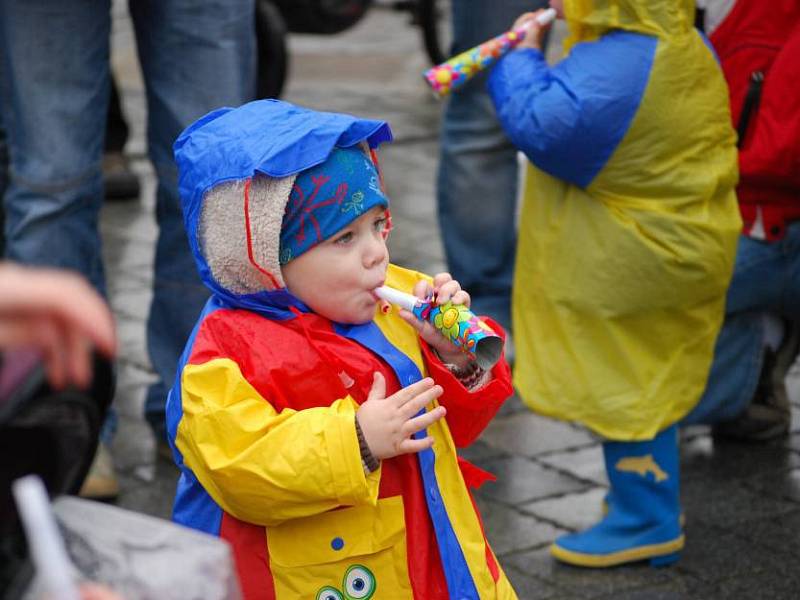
<point x="454" y="73"/>
<point x="455" y="322"/>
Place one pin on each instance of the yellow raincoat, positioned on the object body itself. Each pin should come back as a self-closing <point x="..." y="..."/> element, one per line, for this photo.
<point x="629" y="226"/>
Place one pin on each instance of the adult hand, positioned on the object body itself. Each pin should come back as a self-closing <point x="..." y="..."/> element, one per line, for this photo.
<point x="59" y="314"/>
<point x="534" y="36"/>
<point x="444" y="289"/>
<point x="389" y="423"/>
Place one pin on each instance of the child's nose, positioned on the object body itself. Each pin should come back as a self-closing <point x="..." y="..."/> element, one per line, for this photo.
<point x="375" y="253"/>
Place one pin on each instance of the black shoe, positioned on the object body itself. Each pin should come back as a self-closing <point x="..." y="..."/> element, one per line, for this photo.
<point x="769" y="414"/>
<point x="121" y="183"/>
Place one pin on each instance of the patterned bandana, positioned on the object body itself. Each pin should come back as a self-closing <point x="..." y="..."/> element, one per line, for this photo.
<point x="327" y="198"/>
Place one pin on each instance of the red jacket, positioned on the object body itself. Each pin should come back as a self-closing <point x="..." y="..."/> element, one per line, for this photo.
<point x="762" y="39"/>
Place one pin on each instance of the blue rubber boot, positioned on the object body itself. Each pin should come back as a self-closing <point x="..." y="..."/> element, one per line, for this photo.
<point x="643" y="520"/>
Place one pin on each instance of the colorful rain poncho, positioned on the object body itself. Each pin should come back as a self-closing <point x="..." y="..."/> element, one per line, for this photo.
<point x="629" y="226"/>
<point x="261" y="418"/>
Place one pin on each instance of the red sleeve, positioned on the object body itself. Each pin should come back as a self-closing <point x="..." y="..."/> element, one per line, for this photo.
<point x="468" y="413"/>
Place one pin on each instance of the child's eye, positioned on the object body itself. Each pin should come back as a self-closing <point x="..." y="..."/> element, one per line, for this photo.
<point x="380" y="224"/>
<point x="344" y="238"/>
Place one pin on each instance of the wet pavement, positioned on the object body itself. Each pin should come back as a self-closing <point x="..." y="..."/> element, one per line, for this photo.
<point x="742" y="502"/>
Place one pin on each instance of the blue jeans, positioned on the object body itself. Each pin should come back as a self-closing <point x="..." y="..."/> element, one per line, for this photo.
<point x="195" y="57"/>
<point x="477" y="180"/>
<point x="766" y="279"/>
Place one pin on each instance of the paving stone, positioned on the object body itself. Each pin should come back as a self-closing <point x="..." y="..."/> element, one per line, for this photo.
<point x="129" y="399"/>
<point x="508" y="530"/>
<point x="522" y="480"/>
<point x="713" y="556"/>
<point x="783" y="484"/>
<point x="575" y="511"/>
<point x="724" y="503"/>
<point x="131" y="340"/>
<point x="480" y="451"/>
<point x="156" y="494"/>
<point x="529" y="434"/>
<point x="584" y="463"/>
<point x="767" y="586"/>
<point x="530" y="588"/>
<point x="708" y="459"/>
<point x="133" y="446"/>
<point x="676" y="585"/>
<point x="512" y="406"/>
<point x="777" y="533"/>
<point x="588" y="583"/>
<point x="132" y="302"/>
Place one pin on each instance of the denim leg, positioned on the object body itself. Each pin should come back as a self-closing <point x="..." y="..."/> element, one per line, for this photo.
<point x="55" y="93"/>
<point x="3" y="172"/>
<point x="732" y="381"/>
<point x="764" y="277"/>
<point x="196" y="57"/>
<point x="477" y="179"/>
<point x="790" y="294"/>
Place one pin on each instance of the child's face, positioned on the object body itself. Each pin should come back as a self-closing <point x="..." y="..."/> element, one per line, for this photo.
<point x="336" y="277"/>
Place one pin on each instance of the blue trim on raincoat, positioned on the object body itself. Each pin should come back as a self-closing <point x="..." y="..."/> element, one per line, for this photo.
<point x="456" y="571"/>
<point x="566" y="120"/>
<point x="193" y="506"/>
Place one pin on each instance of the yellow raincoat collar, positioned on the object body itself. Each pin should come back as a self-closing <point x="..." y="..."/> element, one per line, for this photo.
<point x="589" y="19"/>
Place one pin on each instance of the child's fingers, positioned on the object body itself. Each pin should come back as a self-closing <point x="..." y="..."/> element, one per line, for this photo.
<point x="461" y="297"/>
<point x="446" y="291"/>
<point x="408" y="393"/>
<point x="411" y="319"/>
<point x="378" y="390"/>
<point x="420" y="401"/>
<point x="524" y="18"/>
<point x="419" y="423"/>
<point x="423" y="289"/>
<point x="411" y="445"/>
<point x="439" y="280"/>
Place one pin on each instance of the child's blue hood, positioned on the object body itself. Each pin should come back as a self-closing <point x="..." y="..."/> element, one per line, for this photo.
<point x="266" y="137"/>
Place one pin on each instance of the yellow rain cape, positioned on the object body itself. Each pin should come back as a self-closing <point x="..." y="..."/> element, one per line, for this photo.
<point x="622" y="273"/>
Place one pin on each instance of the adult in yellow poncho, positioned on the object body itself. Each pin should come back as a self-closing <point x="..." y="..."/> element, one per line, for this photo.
<point x="627" y="242"/>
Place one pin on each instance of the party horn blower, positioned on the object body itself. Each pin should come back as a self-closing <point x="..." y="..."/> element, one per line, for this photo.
<point x="454" y="73"/>
<point x="456" y="322"/>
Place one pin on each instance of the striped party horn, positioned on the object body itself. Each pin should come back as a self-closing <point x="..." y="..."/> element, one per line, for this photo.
<point x="454" y="73"/>
<point x="455" y="322"/>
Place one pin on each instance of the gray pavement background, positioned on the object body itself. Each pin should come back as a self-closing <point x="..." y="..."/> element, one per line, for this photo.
<point x="742" y="502"/>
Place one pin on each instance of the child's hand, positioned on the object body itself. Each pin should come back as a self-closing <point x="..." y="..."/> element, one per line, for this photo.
<point x="534" y="37"/>
<point x="446" y="289"/>
<point x="389" y="423"/>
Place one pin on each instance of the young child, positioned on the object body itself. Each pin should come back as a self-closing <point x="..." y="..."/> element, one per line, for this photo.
<point x="307" y="423"/>
<point x="627" y="242"/>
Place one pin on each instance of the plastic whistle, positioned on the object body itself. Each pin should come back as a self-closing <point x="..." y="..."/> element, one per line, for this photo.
<point x="455" y="322"/>
<point x="454" y="73"/>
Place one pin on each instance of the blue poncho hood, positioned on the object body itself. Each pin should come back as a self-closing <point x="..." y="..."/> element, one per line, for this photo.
<point x="268" y="138"/>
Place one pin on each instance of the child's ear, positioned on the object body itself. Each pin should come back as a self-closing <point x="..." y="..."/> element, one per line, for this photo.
<point x="387" y="230"/>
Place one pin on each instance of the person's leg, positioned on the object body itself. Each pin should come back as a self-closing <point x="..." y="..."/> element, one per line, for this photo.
<point x="789" y="306"/>
<point x="3" y="173"/>
<point x="55" y="89"/>
<point x="740" y="375"/>
<point x="120" y="182"/>
<point x="195" y="57"/>
<point x="116" y="127"/>
<point x="477" y="179"/>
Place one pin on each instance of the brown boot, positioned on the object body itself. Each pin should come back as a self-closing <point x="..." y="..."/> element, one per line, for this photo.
<point x="101" y="481"/>
<point x="769" y="414"/>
